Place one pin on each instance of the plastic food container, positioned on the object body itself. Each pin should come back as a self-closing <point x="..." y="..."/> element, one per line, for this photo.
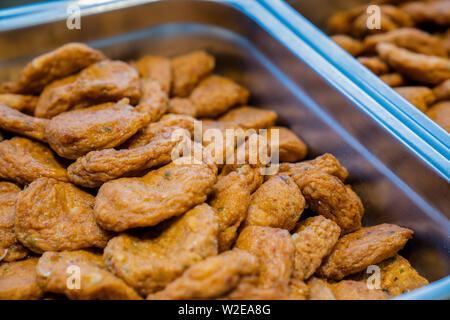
<point x="400" y="181"/>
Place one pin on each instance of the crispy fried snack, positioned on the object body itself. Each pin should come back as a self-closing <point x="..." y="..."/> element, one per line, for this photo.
<point x="319" y="289"/>
<point x="442" y="91"/>
<point x="48" y="67"/>
<point x="18" y="280"/>
<point x="149" y="265"/>
<point x="298" y="289"/>
<point x="210" y="278"/>
<point x="101" y="82"/>
<point x="250" y="289"/>
<point x="55" y="215"/>
<point x="10" y="248"/>
<point x="154" y="100"/>
<point x="274" y="249"/>
<point x="422" y="68"/>
<point x="188" y="70"/>
<point x="440" y="113"/>
<point x="432" y="12"/>
<point x="250" y="118"/>
<point x="22" y="103"/>
<point x="394" y="79"/>
<point x="15" y="121"/>
<point x="157" y="68"/>
<point x="23" y="161"/>
<point x="96" y="282"/>
<point x="75" y="133"/>
<point x="367" y="246"/>
<point x="291" y="147"/>
<point x="352" y="46"/>
<point x="277" y="203"/>
<point x="314" y="239"/>
<point x="161" y="194"/>
<point x="420" y="97"/>
<point x="374" y="64"/>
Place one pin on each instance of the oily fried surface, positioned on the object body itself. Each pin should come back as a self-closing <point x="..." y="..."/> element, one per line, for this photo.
<point x="274" y="249"/>
<point x="10" y="248"/>
<point x="210" y="278"/>
<point x="374" y="64"/>
<point x="440" y="113"/>
<point x="154" y="100"/>
<point x="52" y="215"/>
<point x="23" y="161"/>
<point x="75" y="133"/>
<point x="101" y="82"/>
<point x="18" y="280"/>
<point x="319" y="289"/>
<point x="148" y="265"/>
<point x="157" y="68"/>
<point x="290" y="147"/>
<point x="48" y="67"/>
<point x="23" y="103"/>
<point x="352" y="46"/>
<point x="343" y="290"/>
<point x="188" y="69"/>
<point x="96" y="282"/>
<point x="356" y="251"/>
<point x="277" y="203"/>
<point x="250" y="118"/>
<point x="432" y="12"/>
<point x="314" y="239"/>
<point x="17" y="122"/>
<point x="442" y="91"/>
<point x="161" y="194"/>
<point x="394" y="79"/>
<point x="421" y="97"/>
<point x="250" y="289"/>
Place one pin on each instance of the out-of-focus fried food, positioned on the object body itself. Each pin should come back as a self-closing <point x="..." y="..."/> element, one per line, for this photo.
<point x="210" y="278"/>
<point x="393" y="79"/>
<point x="161" y="194"/>
<point x="314" y="239"/>
<point x="374" y="64"/>
<point x="188" y="70"/>
<point x="150" y="264"/>
<point x="274" y="249"/>
<point x="154" y="101"/>
<point x="442" y="91"/>
<point x="15" y="121"/>
<point x="20" y="102"/>
<point x="250" y="289"/>
<point x="360" y="249"/>
<point x="420" y="97"/>
<point x="101" y="82"/>
<point x="250" y="118"/>
<point x="298" y="289"/>
<point x="291" y="147"/>
<point x="440" y="113"/>
<point x="23" y="161"/>
<point x="75" y="133"/>
<point x="422" y="68"/>
<point x="10" y="248"/>
<point x="52" y="215"/>
<point x="277" y="203"/>
<point x="157" y="68"/>
<point x="48" y="67"/>
<point x="96" y="282"/>
<point x="319" y="289"/>
<point x="352" y="46"/>
<point x="429" y="12"/>
<point x="18" y="280"/>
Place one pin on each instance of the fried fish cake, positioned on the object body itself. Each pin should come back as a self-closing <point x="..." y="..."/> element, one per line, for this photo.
<point x="277" y="203"/>
<point x="75" y="133"/>
<point x="150" y="264"/>
<point x="274" y="249"/>
<point x="23" y="161"/>
<point x="353" y="46"/>
<point x="290" y="147"/>
<point x="101" y="82"/>
<point x="188" y="69"/>
<point x="56" y="272"/>
<point x="18" y="280"/>
<point x="250" y="118"/>
<point x="442" y="91"/>
<point x="360" y="249"/>
<point x="10" y="248"/>
<point x="429" y="12"/>
<point x="422" y="68"/>
<point x="52" y="216"/>
<point x="53" y="65"/>
<point x="157" y="68"/>
<point x="154" y="101"/>
<point x="161" y="194"/>
<point x="440" y="113"/>
<point x="210" y="278"/>
<point x="22" y="103"/>
<point x="420" y="97"/>
<point x="319" y="289"/>
<point x="314" y="239"/>
<point x="374" y="64"/>
<point x="250" y="289"/>
<point x="15" y="121"/>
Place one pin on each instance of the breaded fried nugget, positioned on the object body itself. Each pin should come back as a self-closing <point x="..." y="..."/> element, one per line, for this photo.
<point x="429" y="12"/>
<point x="23" y="161"/>
<point x="150" y="264"/>
<point x="277" y="203"/>
<point x="101" y="82"/>
<point x="249" y="289"/>
<point x="157" y="68"/>
<point x="18" y="280"/>
<point x="15" y="121"/>
<point x="96" y="282"/>
<point x="419" y="67"/>
<point x="77" y="132"/>
<point x="374" y="64"/>
<point x="290" y="147"/>
<point x="10" y="248"/>
<point x="394" y="79"/>
<point x="210" y="278"/>
<point x="440" y="113"/>
<point x="352" y="46"/>
<point x="314" y="239"/>
<point x="48" y="67"/>
<point x="360" y="249"/>
<point x="409" y="38"/>
<point x="154" y="100"/>
<point x="250" y="118"/>
<point x="52" y="215"/>
<point x="420" y="97"/>
<point x="442" y="91"/>
<point x="161" y="194"/>
<point x="23" y="103"/>
<point x="274" y="249"/>
<point x="188" y="70"/>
